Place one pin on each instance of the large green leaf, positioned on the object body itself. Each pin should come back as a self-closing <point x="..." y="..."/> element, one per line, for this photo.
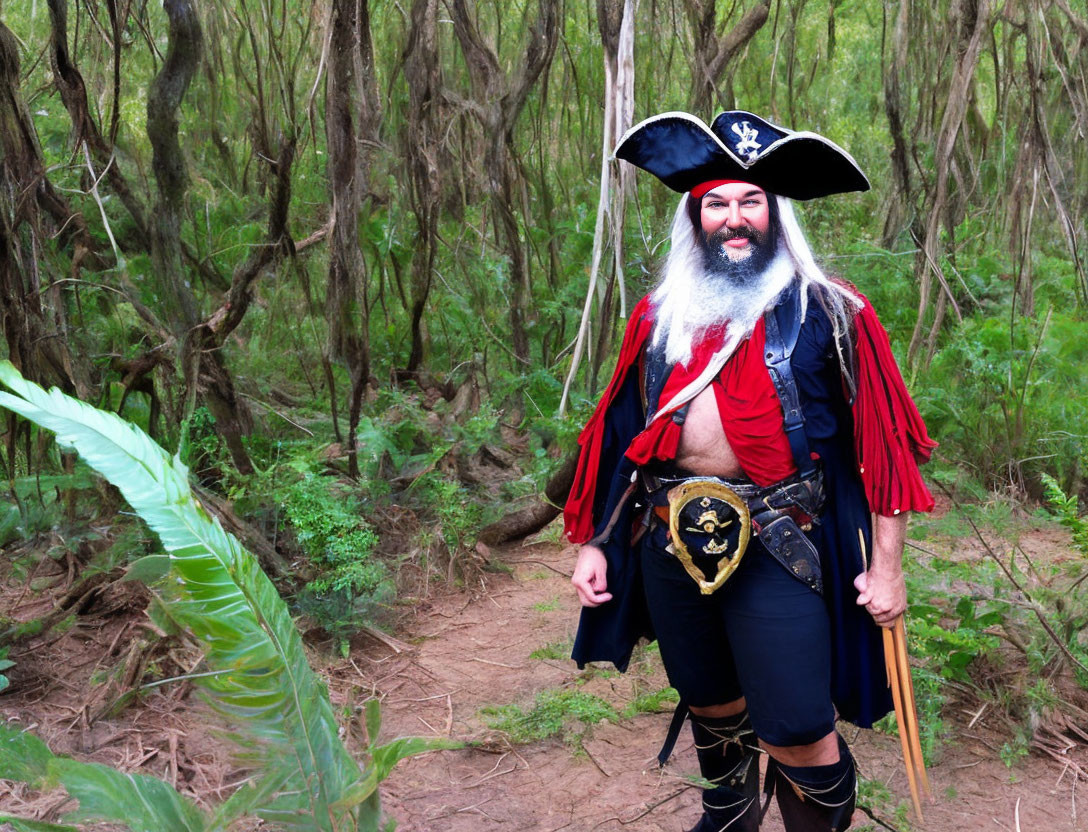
<point x="218" y="591"/>
<point x="143" y="804"/>
<point x="23" y="757"/>
<point x="24" y="825"/>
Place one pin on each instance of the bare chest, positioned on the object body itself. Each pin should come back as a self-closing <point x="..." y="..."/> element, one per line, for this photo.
<point x="703" y="448"/>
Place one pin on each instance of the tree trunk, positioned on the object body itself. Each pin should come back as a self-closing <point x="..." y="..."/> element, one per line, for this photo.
<point x="899" y="204"/>
<point x="928" y="264"/>
<point x="168" y="163"/>
<point x="712" y="52"/>
<point x="537" y="515"/>
<point x="346" y="99"/>
<point x="616" y="21"/>
<point x="201" y="366"/>
<point x="31" y="211"/>
<point x="73" y="92"/>
<point x="498" y="101"/>
<point x="421" y="149"/>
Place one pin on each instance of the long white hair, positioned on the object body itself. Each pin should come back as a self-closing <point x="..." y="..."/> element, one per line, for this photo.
<point x="686" y="304"/>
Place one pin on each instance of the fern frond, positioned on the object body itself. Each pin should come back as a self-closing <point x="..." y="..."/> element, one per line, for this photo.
<point x="218" y="591"/>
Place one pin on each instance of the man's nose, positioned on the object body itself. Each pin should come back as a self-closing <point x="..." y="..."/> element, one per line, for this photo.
<point x="732" y="218"/>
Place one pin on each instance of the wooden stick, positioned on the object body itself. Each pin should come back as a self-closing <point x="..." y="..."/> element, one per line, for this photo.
<point x="901" y="718"/>
<point x="897" y="669"/>
<point x="909" y="705"/>
<point x="910" y="713"/>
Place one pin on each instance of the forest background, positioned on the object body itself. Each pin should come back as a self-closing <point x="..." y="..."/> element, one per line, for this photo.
<point x="337" y="255"/>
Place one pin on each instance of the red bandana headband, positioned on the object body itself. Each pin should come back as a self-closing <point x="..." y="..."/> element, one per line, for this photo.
<point x="699" y="190"/>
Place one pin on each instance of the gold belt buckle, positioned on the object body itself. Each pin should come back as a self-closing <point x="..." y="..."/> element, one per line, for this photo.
<point x="713" y="517"/>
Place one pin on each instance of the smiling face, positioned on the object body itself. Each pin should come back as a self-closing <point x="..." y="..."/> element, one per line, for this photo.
<point x="736" y="220"/>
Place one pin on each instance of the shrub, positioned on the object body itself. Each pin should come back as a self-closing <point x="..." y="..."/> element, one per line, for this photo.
<point x="353" y="583"/>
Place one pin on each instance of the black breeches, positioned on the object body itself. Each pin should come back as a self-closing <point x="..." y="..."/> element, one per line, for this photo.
<point x="763" y="635"/>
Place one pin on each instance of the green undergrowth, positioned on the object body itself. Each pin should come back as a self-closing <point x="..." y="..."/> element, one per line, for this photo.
<point x="570" y="713"/>
<point x="658" y="701"/>
<point x="991" y="625"/>
<point x="555" y="651"/>
<point x="260" y="682"/>
<point x="878" y="798"/>
<point x="1001" y="391"/>
<point x="353" y="583"/>
<point x="432" y="473"/>
<point x="5" y="664"/>
<point x="567" y="714"/>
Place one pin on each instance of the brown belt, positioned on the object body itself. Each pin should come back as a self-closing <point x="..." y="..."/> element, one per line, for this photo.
<point x="802" y="519"/>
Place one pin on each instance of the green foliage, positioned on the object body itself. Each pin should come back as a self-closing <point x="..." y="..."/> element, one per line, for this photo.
<point x="876" y="796"/>
<point x="200" y="448"/>
<point x="1067" y="509"/>
<point x="947" y="632"/>
<point x="24" y="825"/>
<point x="565" y="713"/>
<point x="411" y="441"/>
<point x="998" y="398"/>
<point x="652" y="702"/>
<point x="353" y="583"/>
<point x="549" y="605"/>
<point x="556" y="651"/>
<point x="1016" y="749"/>
<point x="459" y="516"/>
<point x="141" y="803"/>
<point x="965" y="615"/>
<point x="5" y="664"/>
<point x="33" y="504"/>
<point x="130" y="541"/>
<point x="953" y="641"/>
<point x="1068" y="607"/>
<point x="278" y="709"/>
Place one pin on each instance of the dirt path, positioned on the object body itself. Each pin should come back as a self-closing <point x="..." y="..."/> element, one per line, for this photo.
<point x="457" y="654"/>
<point x="475" y="653"/>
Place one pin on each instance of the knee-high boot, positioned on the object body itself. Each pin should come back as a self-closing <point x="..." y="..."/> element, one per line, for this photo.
<point x="815" y="798"/>
<point x="728" y="758"/>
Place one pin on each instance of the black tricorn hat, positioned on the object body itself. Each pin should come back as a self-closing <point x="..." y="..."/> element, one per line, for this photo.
<point x="681" y="151"/>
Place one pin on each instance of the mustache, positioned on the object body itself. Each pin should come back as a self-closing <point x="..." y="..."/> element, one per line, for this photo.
<point x="722" y="235"/>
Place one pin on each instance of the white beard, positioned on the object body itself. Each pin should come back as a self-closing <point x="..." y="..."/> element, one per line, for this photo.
<point x="687" y="303"/>
<point x="690" y="301"/>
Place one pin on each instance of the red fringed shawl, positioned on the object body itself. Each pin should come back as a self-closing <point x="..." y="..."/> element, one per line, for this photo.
<point x="889" y="435"/>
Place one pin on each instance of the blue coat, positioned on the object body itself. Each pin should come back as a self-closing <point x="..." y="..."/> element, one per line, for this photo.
<point x="609" y="632"/>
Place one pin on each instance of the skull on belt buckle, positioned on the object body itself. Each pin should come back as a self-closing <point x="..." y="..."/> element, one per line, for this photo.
<point x="708" y="519"/>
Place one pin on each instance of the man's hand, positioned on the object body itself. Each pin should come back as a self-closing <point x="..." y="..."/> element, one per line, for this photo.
<point x="882" y="590"/>
<point x="589" y="577"/>
<point x="883" y="596"/>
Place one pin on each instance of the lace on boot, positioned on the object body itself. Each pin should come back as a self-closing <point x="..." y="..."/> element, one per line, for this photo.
<point x="728" y="758"/>
<point x="815" y="798"/>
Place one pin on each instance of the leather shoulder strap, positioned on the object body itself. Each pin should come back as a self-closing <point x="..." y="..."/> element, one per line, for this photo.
<point x="783" y="325"/>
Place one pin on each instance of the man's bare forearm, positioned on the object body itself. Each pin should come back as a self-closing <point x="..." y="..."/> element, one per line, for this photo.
<point x="889" y="537"/>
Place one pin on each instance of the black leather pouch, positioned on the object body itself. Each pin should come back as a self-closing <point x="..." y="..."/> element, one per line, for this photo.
<point x="788" y="545"/>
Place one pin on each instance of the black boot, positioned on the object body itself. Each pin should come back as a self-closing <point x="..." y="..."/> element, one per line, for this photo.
<point x="728" y="757"/>
<point x="815" y="798"/>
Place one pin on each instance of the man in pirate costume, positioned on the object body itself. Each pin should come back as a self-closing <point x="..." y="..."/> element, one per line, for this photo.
<point x="724" y="492"/>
